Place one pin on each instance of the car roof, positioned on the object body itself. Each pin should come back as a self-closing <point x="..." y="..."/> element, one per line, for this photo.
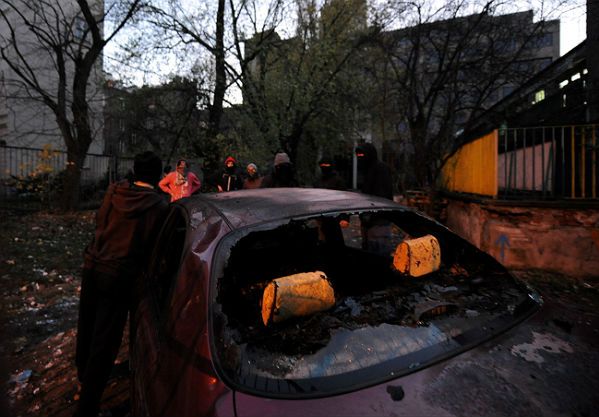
<point x="249" y="207"/>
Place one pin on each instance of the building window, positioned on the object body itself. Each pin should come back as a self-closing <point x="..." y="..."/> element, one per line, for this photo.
<point x="564" y="97"/>
<point x="575" y="76"/>
<point x="80" y="28"/>
<point x="544" y="39"/>
<point x="539" y="96"/>
<point x="563" y="83"/>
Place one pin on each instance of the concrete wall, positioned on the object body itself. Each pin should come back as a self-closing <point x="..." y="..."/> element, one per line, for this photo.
<point x="564" y="240"/>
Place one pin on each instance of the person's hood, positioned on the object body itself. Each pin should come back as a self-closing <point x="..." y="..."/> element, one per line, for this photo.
<point x="230" y="159"/>
<point x="281" y="158"/>
<point x="132" y="200"/>
<point x="369" y="151"/>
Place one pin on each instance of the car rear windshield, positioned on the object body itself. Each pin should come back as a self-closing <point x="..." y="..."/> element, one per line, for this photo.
<point x="331" y="303"/>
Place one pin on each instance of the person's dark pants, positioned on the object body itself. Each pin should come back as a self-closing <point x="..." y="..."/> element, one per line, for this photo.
<point x="103" y="308"/>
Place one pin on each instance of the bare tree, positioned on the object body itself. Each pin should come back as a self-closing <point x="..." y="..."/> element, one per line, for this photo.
<point x="208" y="33"/>
<point x="70" y="37"/>
<point x="447" y="65"/>
<point x="288" y="85"/>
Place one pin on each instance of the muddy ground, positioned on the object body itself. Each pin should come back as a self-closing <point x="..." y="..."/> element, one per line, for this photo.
<point x="40" y="262"/>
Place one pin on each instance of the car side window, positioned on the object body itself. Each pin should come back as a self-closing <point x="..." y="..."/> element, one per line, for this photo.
<point x="166" y="257"/>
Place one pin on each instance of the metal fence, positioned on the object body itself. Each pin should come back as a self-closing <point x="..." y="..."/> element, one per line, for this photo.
<point x="548" y="162"/>
<point x="31" y="178"/>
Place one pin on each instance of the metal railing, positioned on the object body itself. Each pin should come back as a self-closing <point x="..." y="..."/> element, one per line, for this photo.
<point x="548" y="162"/>
<point x="30" y="178"/>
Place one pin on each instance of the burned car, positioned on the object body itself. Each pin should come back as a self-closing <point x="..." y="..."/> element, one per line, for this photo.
<point x="308" y="302"/>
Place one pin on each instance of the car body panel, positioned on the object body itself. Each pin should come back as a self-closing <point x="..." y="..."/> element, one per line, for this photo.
<point x="250" y="207"/>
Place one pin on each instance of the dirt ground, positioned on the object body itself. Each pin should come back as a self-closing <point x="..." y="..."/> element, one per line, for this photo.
<point x="40" y="262"/>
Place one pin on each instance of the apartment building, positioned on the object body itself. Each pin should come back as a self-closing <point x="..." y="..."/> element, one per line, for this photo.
<point x="26" y="120"/>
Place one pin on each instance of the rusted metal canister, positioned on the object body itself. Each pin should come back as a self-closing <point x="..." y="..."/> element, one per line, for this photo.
<point x="417" y="257"/>
<point x="296" y="295"/>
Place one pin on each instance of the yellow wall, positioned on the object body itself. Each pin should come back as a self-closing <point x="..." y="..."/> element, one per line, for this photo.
<point x="473" y="168"/>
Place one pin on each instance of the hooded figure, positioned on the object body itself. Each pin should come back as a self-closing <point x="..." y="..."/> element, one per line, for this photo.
<point x="282" y="174"/>
<point x="230" y="180"/>
<point x="329" y="177"/>
<point x="376" y="175"/>
<point x="127" y="224"/>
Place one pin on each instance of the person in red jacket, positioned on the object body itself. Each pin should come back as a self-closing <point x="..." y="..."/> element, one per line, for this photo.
<point x="230" y="179"/>
<point x="181" y="182"/>
<point x="127" y="224"/>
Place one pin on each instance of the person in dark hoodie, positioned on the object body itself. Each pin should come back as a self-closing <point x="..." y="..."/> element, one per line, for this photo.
<point x="127" y="223"/>
<point x="376" y="180"/>
<point x="376" y="175"/>
<point x="282" y="174"/>
<point x="329" y="177"/>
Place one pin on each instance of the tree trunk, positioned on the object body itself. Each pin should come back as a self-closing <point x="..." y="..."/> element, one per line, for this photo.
<point x="216" y="110"/>
<point x="71" y="181"/>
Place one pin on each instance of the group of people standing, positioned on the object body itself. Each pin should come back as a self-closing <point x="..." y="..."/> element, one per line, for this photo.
<point x="127" y="224"/>
<point x="183" y="183"/>
<point x="376" y="176"/>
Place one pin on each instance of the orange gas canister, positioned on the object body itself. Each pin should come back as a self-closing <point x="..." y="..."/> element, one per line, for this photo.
<point x="296" y="295"/>
<point x="417" y="257"/>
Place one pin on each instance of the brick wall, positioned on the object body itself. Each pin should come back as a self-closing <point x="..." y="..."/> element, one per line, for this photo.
<point x="558" y="239"/>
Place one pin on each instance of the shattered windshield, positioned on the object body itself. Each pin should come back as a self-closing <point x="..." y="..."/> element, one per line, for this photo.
<point x="326" y="304"/>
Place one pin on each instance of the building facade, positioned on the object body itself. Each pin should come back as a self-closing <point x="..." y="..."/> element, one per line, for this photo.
<point x="26" y="119"/>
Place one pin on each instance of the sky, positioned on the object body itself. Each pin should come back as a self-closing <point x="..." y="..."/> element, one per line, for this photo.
<point x="572" y="32"/>
<point x="572" y="29"/>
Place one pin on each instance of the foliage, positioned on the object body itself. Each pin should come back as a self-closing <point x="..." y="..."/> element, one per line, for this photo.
<point x="301" y="93"/>
<point x="409" y="79"/>
<point x="39" y="179"/>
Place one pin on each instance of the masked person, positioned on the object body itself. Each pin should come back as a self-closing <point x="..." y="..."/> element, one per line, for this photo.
<point x="230" y="180"/>
<point x="376" y="175"/>
<point x="376" y="180"/>
<point x="127" y="224"/>
<point x="329" y="177"/>
<point x="181" y="182"/>
<point x="253" y="179"/>
<point x="282" y="174"/>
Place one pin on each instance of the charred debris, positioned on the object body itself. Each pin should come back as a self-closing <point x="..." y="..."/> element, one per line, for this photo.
<point x="368" y="290"/>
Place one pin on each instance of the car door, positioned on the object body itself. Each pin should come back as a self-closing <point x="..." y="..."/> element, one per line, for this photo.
<point x="148" y="342"/>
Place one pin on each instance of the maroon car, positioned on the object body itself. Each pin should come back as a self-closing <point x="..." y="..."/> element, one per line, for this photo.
<point x="202" y="345"/>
